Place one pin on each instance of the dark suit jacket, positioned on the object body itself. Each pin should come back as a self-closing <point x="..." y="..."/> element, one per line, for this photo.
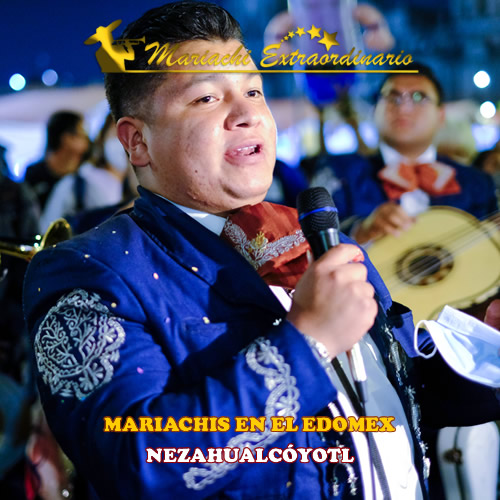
<point x="153" y="315"/>
<point x="357" y="191"/>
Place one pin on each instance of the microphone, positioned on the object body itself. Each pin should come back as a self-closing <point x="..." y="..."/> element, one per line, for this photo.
<point x="319" y="220"/>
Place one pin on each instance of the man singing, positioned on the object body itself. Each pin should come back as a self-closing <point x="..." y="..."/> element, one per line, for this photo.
<point x="154" y="314"/>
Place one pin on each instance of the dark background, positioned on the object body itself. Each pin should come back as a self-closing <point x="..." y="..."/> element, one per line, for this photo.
<point x="457" y="37"/>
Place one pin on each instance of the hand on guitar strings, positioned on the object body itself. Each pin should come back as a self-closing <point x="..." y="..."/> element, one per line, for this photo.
<point x="388" y="218"/>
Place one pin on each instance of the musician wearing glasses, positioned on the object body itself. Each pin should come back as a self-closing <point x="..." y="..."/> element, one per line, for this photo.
<point x="180" y="308"/>
<point x="383" y="198"/>
<point x="382" y="194"/>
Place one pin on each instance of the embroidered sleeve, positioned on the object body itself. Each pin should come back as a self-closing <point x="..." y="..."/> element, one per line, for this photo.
<point x="77" y="344"/>
<point x="283" y="400"/>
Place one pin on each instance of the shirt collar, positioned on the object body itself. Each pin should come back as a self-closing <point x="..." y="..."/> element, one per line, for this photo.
<point x="393" y="157"/>
<point x="212" y="222"/>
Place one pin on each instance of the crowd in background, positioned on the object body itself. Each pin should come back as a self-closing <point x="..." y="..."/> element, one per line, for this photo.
<point x="84" y="182"/>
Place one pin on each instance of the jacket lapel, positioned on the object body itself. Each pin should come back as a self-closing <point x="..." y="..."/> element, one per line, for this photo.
<point x="203" y="253"/>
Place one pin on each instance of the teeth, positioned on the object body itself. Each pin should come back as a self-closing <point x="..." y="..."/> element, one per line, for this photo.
<point x="247" y="150"/>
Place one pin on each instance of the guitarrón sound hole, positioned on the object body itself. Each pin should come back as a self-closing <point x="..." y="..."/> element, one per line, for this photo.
<point x="424" y="265"/>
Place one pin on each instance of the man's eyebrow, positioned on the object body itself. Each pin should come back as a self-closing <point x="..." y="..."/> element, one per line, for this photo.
<point x="203" y="77"/>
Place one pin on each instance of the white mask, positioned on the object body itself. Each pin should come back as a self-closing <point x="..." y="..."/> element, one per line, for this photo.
<point x="115" y="154"/>
<point x="468" y="345"/>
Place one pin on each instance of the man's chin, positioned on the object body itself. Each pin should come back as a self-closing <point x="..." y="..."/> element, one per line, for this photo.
<point x="238" y="201"/>
<point x="401" y="141"/>
<point x="257" y="198"/>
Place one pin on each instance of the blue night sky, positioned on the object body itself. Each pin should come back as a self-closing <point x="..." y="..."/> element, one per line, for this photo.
<point x="41" y="35"/>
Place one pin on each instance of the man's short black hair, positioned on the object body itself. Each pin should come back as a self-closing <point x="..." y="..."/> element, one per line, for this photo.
<point x="172" y="23"/>
<point x="423" y="70"/>
<point x="60" y="123"/>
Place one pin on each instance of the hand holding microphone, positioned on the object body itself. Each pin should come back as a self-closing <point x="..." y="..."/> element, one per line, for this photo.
<point x="333" y="302"/>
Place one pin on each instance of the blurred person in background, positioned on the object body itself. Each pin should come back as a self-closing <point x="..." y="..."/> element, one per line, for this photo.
<point x="373" y="194"/>
<point x="101" y="182"/>
<point x="32" y="466"/>
<point x="67" y="144"/>
<point x="19" y="214"/>
<point x="383" y="194"/>
<point x="489" y="162"/>
<point x="287" y="183"/>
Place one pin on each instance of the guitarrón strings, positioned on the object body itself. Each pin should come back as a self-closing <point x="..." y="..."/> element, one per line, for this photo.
<point x="454" y="242"/>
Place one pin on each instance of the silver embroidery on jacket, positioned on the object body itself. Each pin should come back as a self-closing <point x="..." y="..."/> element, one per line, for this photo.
<point x="415" y="421"/>
<point x="396" y="356"/>
<point x="283" y="400"/>
<point x="76" y="344"/>
<point x="259" y="250"/>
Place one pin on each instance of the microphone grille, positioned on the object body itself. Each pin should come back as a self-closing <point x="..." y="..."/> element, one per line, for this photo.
<point x="317" y="211"/>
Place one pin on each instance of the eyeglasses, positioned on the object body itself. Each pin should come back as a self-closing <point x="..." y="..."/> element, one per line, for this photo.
<point x="415" y="98"/>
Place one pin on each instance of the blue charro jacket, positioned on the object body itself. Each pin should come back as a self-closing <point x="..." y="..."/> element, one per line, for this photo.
<point x="151" y="314"/>
<point x="353" y="183"/>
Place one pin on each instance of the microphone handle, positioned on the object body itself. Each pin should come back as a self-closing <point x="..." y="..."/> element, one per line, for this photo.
<point x="321" y="242"/>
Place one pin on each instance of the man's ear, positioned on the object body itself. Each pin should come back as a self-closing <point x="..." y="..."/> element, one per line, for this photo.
<point x="129" y="132"/>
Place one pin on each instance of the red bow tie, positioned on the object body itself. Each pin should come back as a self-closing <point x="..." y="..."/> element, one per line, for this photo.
<point x="270" y="239"/>
<point x="437" y="179"/>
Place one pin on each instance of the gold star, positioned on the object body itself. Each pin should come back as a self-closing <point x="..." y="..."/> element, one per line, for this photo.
<point x="300" y="31"/>
<point x="291" y="34"/>
<point x="286" y="38"/>
<point x="314" y="32"/>
<point x="328" y="39"/>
